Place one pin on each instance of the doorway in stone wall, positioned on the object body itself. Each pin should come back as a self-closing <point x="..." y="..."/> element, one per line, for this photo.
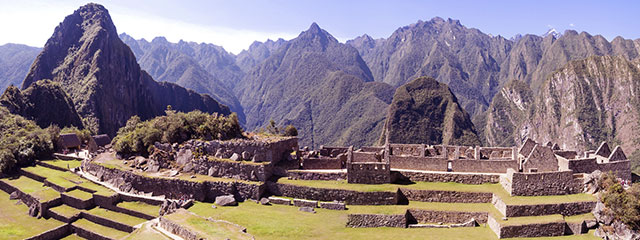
<point x="449" y="166"/>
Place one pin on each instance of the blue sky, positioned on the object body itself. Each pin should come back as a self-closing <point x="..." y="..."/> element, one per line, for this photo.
<point x="235" y="24"/>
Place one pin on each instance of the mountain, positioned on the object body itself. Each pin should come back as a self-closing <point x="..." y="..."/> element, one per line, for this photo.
<point x="257" y="52"/>
<point x="508" y="110"/>
<point x="204" y="68"/>
<point x="579" y="106"/>
<point x="464" y="58"/>
<point x="15" y="60"/>
<point x="319" y="85"/>
<point x="44" y="102"/>
<point x="102" y="77"/>
<point x="425" y="111"/>
<point x="552" y="32"/>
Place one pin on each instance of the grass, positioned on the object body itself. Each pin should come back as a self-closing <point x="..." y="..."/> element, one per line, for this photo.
<point x="72" y="237"/>
<point x="99" y="229"/>
<point x="79" y="194"/>
<point x="68" y="179"/>
<point x="587" y="236"/>
<point x="579" y="218"/>
<point x="147" y="232"/>
<point x="211" y="158"/>
<point x="33" y="188"/>
<point x="99" y="189"/>
<point x="530" y="220"/>
<point x="207" y="229"/>
<point x="16" y="224"/>
<point x="142" y="207"/>
<point x="435" y="206"/>
<point x="65" y="210"/>
<point x="116" y="216"/>
<point x="64" y="163"/>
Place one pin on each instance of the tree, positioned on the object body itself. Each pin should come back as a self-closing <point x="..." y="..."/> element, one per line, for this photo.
<point x="290" y="131"/>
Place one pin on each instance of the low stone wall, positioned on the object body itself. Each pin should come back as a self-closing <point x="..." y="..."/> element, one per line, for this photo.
<point x="566" y="209"/>
<point x="431" y="216"/>
<point x="231" y="169"/>
<point x="541" y="183"/>
<point x="88" y="234"/>
<point x="280" y="201"/>
<point x="376" y="220"/>
<point x="32" y="176"/>
<point x="61" y="218"/>
<point x="305" y="203"/>
<point x="107" y="222"/>
<point x="457" y="165"/>
<point x="58" y="187"/>
<point x="75" y="202"/>
<point x="134" y="198"/>
<point x="30" y="200"/>
<point x="528" y="230"/>
<point x="106" y="201"/>
<point x="310" y="175"/>
<point x="175" y="188"/>
<point x="178" y="230"/>
<point x="47" y="165"/>
<point x="466" y="178"/>
<point x="333" y="205"/>
<point x="368" y="172"/>
<point x="56" y="233"/>
<point x="260" y="151"/>
<point x="129" y="212"/>
<point x="446" y="196"/>
<point x="576" y="228"/>
<point x="322" y="163"/>
<point x="326" y="194"/>
<point x="622" y="169"/>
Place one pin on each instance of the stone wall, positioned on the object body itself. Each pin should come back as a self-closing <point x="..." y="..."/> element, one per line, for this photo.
<point x="431" y="216"/>
<point x="366" y="157"/>
<point x="231" y="169"/>
<point x="459" y="165"/>
<point x="541" y="159"/>
<point x="31" y="200"/>
<point x="622" y="169"/>
<point x="258" y="150"/>
<point x="376" y="220"/>
<point x="311" y="175"/>
<point x="322" y="163"/>
<point x="76" y="202"/>
<point x="446" y="196"/>
<point x="565" y="209"/>
<point x="87" y="234"/>
<point x="327" y="194"/>
<point x="175" y="188"/>
<point x="417" y="150"/>
<point x="178" y="230"/>
<point x="541" y="183"/>
<point x="107" y="222"/>
<point x="528" y="230"/>
<point x="56" y="233"/>
<point x="129" y="212"/>
<point x="466" y="178"/>
<point x="368" y="173"/>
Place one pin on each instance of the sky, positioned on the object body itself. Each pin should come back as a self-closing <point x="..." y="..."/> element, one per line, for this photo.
<point x="235" y="24"/>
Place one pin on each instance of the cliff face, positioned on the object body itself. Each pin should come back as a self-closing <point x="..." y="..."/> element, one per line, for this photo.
<point x="15" y="60"/>
<point x="43" y="102"/>
<point x="102" y="76"/>
<point x="579" y="106"/>
<point x="426" y="111"/>
<point x="319" y="85"/>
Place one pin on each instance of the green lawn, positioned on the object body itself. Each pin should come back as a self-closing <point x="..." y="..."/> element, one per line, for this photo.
<point x="435" y="206"/>
<point x="205" y="228"/>
<point x="16" y="224"/>
<point x="530" y="220"/>
<point x="116" y="216"/>
<point x="579" y="218"/>
<point x="99" y="229"/>
<point x="68" y="179"/>
<point x="147" y="232"/>
<point x="142" y="207"/>
<point x="79" y="194"/>
<point x="64" y="163"/>
<point x="33" y="188"/>
<point x="65" y="210"/>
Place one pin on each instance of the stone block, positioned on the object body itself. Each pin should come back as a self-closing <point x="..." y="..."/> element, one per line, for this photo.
<point x="226" y="200"/>
<point x="235" y="157"/>
<point x="333" y="205"/>
<point x="305" y="203"/>
<point x="307" y="209"/>
<point x="280" y="201"/>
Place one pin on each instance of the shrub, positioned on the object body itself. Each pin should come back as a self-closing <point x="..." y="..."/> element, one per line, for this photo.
<point x="175" y="127"/>
<point x="290" y="131"/>
<point x="624" y="204"/>
<point x="22" y="141"/>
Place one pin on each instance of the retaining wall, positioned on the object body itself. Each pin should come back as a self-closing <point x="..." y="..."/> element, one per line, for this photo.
<point x="446" y="196"/>
<point x="107" y="222"/>
<point x="541" y="183"/>
<point x="622" y="169"/>
<point x="310" y="175"/>
<point x="528" y="230"/>
<point x="322" y="163"/>
<point x="178" y="230"/>
<point x="30" y="200"/>
<point x="88" y="234"/>
<point x="75" y="202"/>
<point x="230" y="169"/>
<point x="431" y="216"/>
<point x="56" y="233"/>
<point x="466" y="178"/>
<point x="457" y="165"/>
<point x="328" y="195"/>
<point x="175" y="188"/>
<point x="566" y="209"/>
<point x="376" y="220"/>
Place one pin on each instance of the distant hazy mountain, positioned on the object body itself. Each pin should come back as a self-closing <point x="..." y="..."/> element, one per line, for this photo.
<point x="425" y="111"/>
<point x="257" y="53"/>
<point x="319" y="85"/>
<point x="102" y="77"/>
<point x="184" y="63"/>
<point x="15" y="60"/>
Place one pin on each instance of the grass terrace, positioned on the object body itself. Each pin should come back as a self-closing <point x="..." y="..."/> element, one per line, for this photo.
<point x="579" y="218"/>
<point x="72" y="237"/>
<point x="206" y="228"/>
<point x="435" y="206"/>
<point x="63" y="163"/>
<point x="16" y="224"/>
<point x="444" y="186"/>
<point x="116" y="216"/>
<point x="147" y="232"/>
<point x="33" y="188"/>
<point x="530" y="220"/>
<point x="79" y="194"/>
<point x="99" y="229"/>
<point x="68" y="179"/>
<point x="142" y="207"/>
<point x="65" y="210"/>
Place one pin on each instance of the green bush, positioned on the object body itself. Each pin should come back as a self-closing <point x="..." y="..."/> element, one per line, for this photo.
<point x="22" y="141"/>
<point x="624" y="204"/>
<point x="175" y="127"/>
<point x="290" y="131"/>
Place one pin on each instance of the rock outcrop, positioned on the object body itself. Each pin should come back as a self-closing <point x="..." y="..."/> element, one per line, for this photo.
<point x="425" y="111"/>
<point x="102" y="76"/>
